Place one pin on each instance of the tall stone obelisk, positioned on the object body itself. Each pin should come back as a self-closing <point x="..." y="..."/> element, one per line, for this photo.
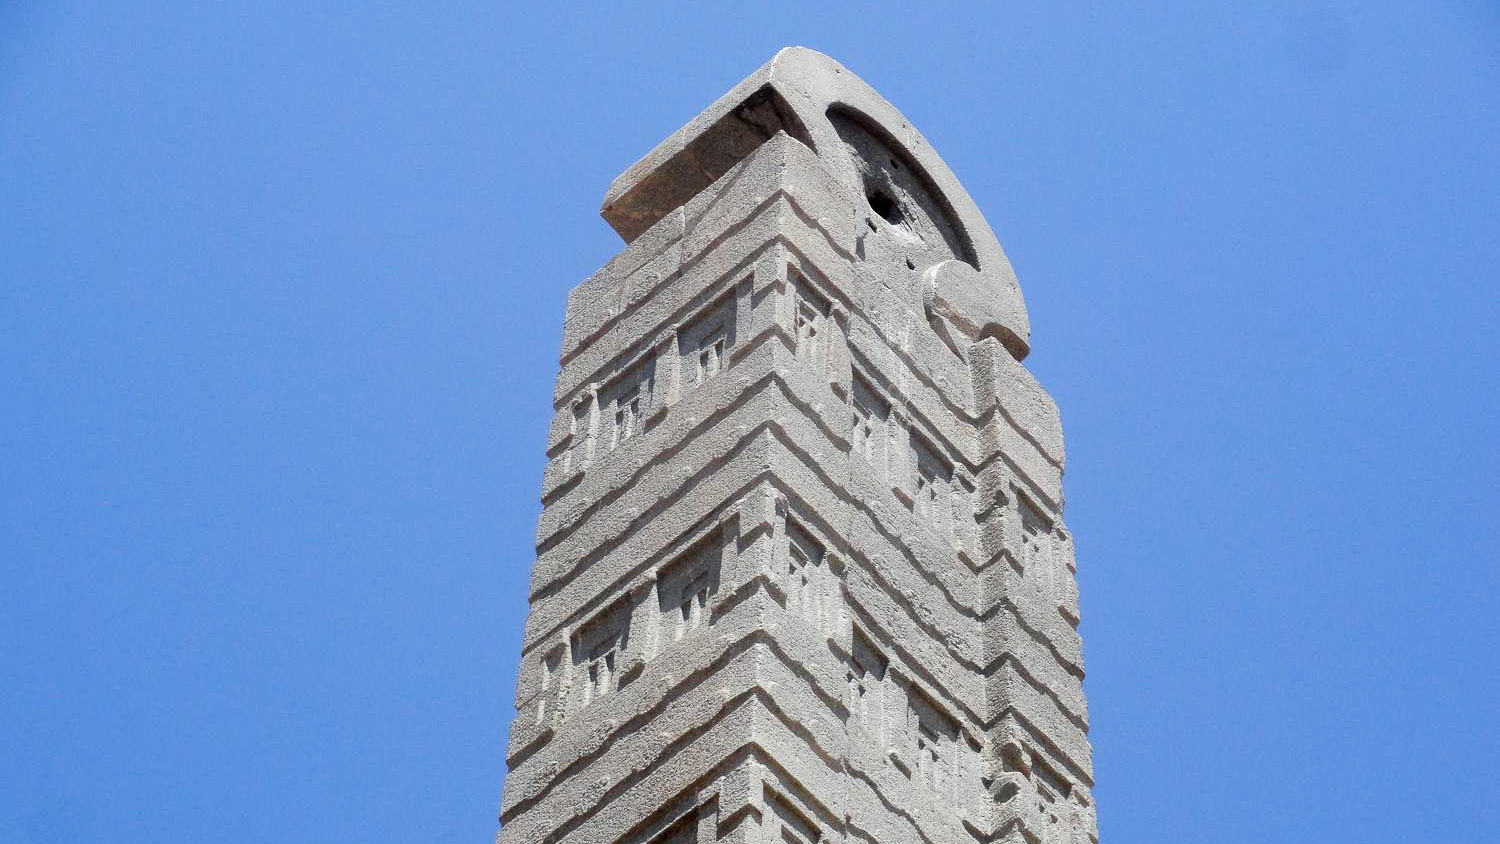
<point x="801" y="569"/>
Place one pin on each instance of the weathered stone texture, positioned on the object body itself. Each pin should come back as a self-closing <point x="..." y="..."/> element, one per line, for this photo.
<point x="801" y="571"/>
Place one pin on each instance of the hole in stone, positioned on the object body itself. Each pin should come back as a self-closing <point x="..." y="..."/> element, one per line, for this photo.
<point x="882" y="204"/>
<point x="910" y="264"/>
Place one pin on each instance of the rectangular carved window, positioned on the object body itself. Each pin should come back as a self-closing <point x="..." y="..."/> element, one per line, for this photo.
<point x="582" y="441"/>
<point x="1036" y="530"/>
<point x="685" y="590"/>
<point x="627" y="415"/>
<point x="805" y="576"/>
<point x="811" y="321"/>
<point x="869" y="414"/>
<point x="710" y="355"/>
<point x="692" y="602"/>
<point x="706" y="340"/>
<point x="684" y="831"/>
<point x="934" y="476"/>
<point x="1049" y="783"/>
<point x="627" y="401"/>
<point x="867" y="670"/>
<point x="550" y="662"/>
<point x="934" y="742"/>
<point x="598" y="651"/>
<point x="1032" y="520"/>
<point x="964" y="527"/>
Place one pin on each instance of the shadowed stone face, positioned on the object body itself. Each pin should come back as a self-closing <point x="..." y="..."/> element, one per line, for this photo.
<point x="802" y="573"/>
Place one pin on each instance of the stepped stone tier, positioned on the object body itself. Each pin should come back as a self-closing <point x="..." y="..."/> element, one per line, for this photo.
<point x="801" y="573"/>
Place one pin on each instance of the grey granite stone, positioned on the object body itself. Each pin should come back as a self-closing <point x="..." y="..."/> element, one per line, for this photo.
<point x="801" y="571"/>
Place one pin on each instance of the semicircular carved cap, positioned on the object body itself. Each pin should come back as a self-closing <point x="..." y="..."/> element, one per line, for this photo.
<point x="870" y="148"/>
<point x="957" y="292"/>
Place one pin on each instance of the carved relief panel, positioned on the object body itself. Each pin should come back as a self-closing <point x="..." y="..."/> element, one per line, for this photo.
<point x="599" y="653"/>
<point x="685" y="591"/>
<point x="869" y="414"/>
<point x="933" y="743"/>
<point x="931" y="486"/>
<point x="867" y="677"/>
<point x="810" y="322"/>
<point x="809" y="584"/>
<point x="626" y="402"/>
<point x="704" y="343"/>
<point x="581" y="436"/>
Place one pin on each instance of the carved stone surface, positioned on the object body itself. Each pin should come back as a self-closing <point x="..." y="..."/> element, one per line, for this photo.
<point x="801" y="571"/>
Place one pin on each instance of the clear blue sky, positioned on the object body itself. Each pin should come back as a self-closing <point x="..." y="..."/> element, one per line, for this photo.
<point x="281" y="289"/>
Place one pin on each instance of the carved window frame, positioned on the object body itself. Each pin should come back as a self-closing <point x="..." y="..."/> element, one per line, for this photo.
<point x="810" y="320"/>
<point x="707" y="339"/>
<point x="806" y="573"/>
<point x="870" y="413"/>
<point x="685" y="587"/>
<point x="868" y="673"/>
<point x="598" y="650"/>
<point x="932" y="482"/>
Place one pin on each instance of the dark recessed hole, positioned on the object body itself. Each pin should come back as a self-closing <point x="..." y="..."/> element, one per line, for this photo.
<point x="895" y="164"/>
<point x="910" y="264"/>
<point x="882" y="204"/>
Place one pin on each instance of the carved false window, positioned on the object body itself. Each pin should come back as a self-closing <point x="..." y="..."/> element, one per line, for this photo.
<point x="1049" y="783"/>
<point x="705" y="341"/>
<point x="810" y="322"/>
<point x="867" y="672"/>
<point x="598" y="652"/>
<point x="869" y="415"/>
<point x="582" y="441"/>
<point x="930" y="488"/>
<point x="1036" y="530"/>
<point x="961" y="510"/>
<point x="685" y="590"/>
<point x="628" y="414"/>
<point x="684" y="831"/>
<point x="602" y="669"/>
<point x="934" y="741"/>
<point x="692" y="603"/>
<point x="805" y="576"/>
<point x="627" y="401"/>
<point x="550" y="663"/>
<point x="929" y="760"/>
<point x="1052" y="793"/>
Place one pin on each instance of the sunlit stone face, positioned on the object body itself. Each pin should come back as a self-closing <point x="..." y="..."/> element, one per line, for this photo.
<point x="784" y="590"/>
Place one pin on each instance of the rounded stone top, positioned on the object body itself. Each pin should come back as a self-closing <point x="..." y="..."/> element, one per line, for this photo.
<point x="868" y="146"/>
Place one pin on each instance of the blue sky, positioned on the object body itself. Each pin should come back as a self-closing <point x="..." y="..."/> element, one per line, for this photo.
<point x="281" y="289"/>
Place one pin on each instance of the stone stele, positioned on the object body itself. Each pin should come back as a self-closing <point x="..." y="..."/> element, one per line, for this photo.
<point x="801" y="571"/>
